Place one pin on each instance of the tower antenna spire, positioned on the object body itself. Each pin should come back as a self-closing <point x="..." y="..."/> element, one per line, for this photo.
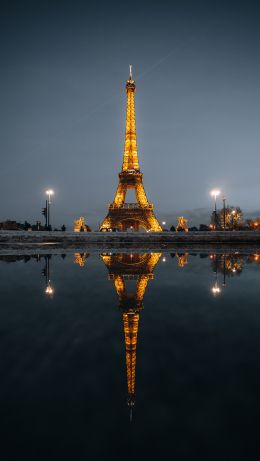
<point x="130" y="72"/>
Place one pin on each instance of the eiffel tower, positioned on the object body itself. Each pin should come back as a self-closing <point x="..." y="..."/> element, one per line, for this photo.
<point x="121" y="215"/>
<point x="123" y="267"/>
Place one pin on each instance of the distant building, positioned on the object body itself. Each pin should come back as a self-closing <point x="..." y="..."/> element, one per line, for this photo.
<point x="11" y="225"/>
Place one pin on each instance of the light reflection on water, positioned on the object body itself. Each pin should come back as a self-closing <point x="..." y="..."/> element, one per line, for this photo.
<point x="81" y="357"/>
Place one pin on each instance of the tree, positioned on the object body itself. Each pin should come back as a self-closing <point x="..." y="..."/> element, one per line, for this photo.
<point x="27" y="225"/>
<point x="204" y="228"/>
<point x="63" y="228"/>
<point x="172" y="229"/>
<point x="193" y="229"/>
<point x="230" y="218"/>
<point x="253" y="224"/>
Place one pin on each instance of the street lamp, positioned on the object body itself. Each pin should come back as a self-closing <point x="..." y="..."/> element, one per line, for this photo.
<point x="49" y="192"/>
<point x="216" y="290"/>
<point x="49" y="289"/>
<point x="215" y="193"/>
<point x="224" y="212"/>
<point x="233" y="212"/>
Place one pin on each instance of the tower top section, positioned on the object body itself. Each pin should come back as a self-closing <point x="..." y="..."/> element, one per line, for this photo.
<point x="130" y="83"/>
<point x="130" y="160"/>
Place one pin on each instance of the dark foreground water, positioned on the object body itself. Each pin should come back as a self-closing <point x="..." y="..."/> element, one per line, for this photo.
<point x="69" y="385"/>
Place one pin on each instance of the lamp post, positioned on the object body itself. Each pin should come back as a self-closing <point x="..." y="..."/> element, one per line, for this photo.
<point x="233" y="212"/>
<point x="49" y="193"/>
<point x="224" y="212"/>
<point x="216" y="290"/>
<point x="215" y="193"/>
<point x="49" y="290"/>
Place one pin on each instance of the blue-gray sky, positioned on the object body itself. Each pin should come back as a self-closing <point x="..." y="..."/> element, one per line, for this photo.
<point x="62" y="113"/>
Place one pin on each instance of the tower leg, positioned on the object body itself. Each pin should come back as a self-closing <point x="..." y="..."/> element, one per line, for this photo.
<point x="120" y="194"/>
<point x="141" y="195"/>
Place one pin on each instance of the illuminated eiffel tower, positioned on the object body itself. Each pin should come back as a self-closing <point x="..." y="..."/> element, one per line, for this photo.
<point x="122" y="215"/>
<point x="123" y="267"/>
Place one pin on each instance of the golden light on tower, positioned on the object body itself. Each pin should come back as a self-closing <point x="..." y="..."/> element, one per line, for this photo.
<point x="122" y="215"/>
<point x="121" y="268"/>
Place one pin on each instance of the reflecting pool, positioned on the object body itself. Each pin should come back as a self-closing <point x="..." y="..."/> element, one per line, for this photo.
<point x="130" y="355"/>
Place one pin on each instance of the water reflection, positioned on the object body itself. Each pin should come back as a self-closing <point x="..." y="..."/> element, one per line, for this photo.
<point x="80" y="259"/>
<point x="46" y="272"/>
<point x="123" y="268"/>
<point x="62" y="366"/>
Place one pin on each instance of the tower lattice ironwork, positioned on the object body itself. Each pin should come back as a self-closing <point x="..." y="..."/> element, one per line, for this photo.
<point x="123" y="267"/>
<point x="122" y="215"/>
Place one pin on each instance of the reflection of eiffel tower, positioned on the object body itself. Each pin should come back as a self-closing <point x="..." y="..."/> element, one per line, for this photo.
<point x="123" y="267"/>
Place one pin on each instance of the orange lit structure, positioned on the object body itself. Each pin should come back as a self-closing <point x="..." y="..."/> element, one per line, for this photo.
<point x="121" y="215"/>
<point x="182" y="224"/>
<point x="121" y="268"/>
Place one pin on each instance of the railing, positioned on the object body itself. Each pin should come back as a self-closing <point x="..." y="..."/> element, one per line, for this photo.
<point x="130" y="206"/>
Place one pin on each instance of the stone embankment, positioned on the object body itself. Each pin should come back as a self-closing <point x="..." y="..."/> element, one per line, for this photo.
<point x="17" y="239"/>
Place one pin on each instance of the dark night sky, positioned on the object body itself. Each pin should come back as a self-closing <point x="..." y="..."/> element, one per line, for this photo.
<point x="62" y="112"/>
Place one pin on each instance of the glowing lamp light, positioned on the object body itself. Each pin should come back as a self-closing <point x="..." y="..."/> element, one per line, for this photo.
<point x="163" y="223"/>
<point x="49" y="290"/>
<point x="216" y="290"/>
<point x="49" y="192"/>
<point x="215" y="193"/>
<point x="164" y="260"/>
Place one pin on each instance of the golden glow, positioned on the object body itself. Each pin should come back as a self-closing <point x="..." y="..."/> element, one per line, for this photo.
<point x="130" y="321"/>
<point x="182" y="224"/>
<point x="123" y="267"/>
<point x="121" y="215"/>
<point x="79" y="224"/>
<point x="182" y="259"/>
<point x="80" y="258"/>
<point x="49" y="289"/>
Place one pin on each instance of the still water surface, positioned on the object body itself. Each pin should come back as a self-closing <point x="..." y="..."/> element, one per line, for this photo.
<point x="130" y="356"/>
